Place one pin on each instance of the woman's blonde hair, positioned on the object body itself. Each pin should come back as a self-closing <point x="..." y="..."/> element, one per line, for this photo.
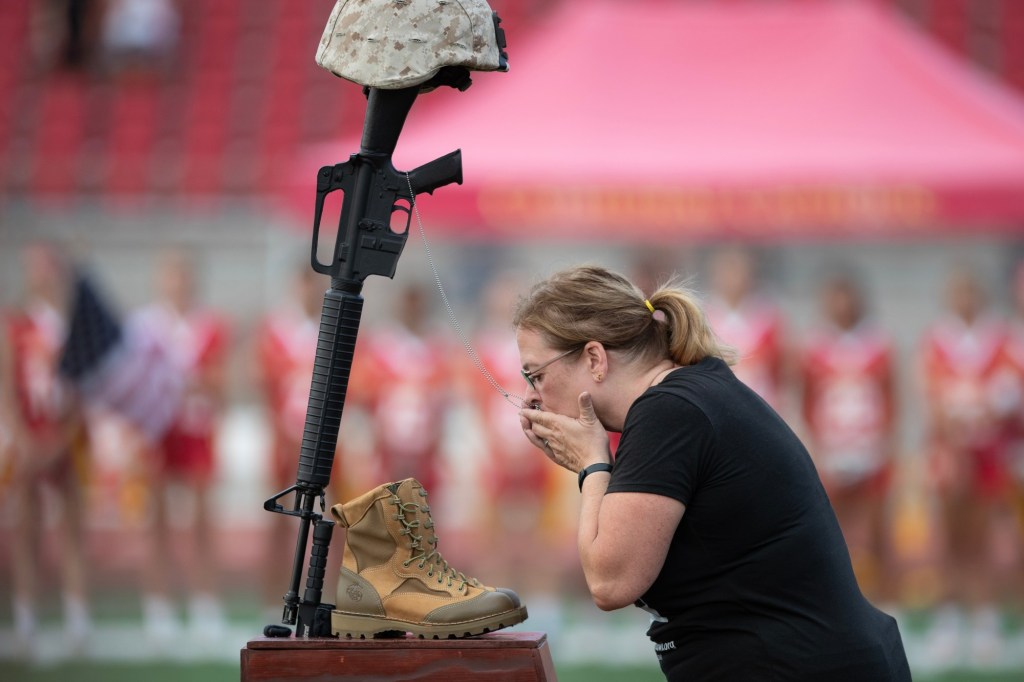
<point x="590" y="303"/>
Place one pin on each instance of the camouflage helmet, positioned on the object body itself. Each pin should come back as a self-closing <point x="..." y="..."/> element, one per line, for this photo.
<point x="394" y="44"/>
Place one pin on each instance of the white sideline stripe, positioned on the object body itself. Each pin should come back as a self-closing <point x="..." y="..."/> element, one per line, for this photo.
<point x="126" y="642"/>
<point x="584" y="643"/>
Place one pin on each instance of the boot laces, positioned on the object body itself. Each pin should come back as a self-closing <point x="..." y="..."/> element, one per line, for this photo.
<point x="432" y="560"/>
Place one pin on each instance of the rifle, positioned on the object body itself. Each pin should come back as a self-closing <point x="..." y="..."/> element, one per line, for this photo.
<point x="374" y="192"/>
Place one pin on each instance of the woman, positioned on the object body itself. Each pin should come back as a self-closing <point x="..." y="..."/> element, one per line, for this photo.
<point x="713" y="518"/>
<point x="48" y="448"/>
<point x="968" y="398"/>
<point x="848" y="395"/>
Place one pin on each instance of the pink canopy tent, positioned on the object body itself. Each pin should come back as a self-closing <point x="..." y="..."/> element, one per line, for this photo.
<point x="658" y="120"/>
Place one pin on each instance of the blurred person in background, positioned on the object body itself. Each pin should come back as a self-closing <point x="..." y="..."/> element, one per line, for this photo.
<point x="651" y="266"/>
<point x="524" y="506"/>
<point x="746" y="319"/>
<point x="407" y="391"/>
<point x="848" y="401"/>
<point x="47" y="445"/>
<point x="63" y="32"/>
<point x="196" y="339"/>
<point x="967" y="409"/>
<point x="1015" y="365"/>
<point x="712" y="518"/>
<point x="140" y="36"/>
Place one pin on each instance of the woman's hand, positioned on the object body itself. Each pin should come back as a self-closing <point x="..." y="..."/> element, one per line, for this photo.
<point x="570" y="443"/>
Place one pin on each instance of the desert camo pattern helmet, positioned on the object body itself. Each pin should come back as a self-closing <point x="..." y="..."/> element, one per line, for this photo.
<point x="401" y="43"/>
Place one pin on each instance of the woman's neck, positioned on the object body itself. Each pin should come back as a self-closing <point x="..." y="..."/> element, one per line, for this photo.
<point x="623" y="395"/>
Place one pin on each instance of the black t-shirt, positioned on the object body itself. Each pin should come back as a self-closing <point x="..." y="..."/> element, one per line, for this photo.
<point x="757" y="583"/>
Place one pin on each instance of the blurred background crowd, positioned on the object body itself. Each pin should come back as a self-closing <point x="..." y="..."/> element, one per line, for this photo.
<point x="148" y="214"/>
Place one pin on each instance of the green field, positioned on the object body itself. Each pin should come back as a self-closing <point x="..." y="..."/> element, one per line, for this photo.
<point x="587" y="646"/>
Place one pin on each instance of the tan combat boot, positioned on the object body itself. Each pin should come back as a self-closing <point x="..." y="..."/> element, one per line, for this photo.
<point x="394" y="581"/>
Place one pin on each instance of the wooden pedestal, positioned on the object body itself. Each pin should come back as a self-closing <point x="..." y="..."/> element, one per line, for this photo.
<point x="508" y="657"/>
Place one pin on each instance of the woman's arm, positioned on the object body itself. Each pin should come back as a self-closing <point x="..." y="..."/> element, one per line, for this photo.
<point x="623" y="540"/>
<point x="623" y="537"/>
<point x="10" y="410"/>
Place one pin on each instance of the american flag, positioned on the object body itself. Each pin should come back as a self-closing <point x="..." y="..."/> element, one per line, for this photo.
<point x="121" y="367"/>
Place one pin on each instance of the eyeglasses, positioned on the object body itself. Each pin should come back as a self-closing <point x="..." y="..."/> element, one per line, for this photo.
<point x="529" y="375"/>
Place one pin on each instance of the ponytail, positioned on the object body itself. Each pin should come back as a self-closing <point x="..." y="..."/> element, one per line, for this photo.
<point x="690" y="337"/>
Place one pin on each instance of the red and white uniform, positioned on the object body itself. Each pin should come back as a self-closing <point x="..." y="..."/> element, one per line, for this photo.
<point x="848" y="403"/>
<point x="406" y="387"/>
<point x="196" y="343"/>
<point x="754" y="329"/>
<point x="42" y="399"/>
<point x="287" y="351"/>
<point x="965" y="379"/>
<point x="35" y="337"/>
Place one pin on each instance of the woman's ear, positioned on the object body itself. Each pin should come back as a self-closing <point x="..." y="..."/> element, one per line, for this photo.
<point x="596" y="357"/>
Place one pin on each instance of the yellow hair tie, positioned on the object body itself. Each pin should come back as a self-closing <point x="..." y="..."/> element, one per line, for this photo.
<point x="648" y="304"/>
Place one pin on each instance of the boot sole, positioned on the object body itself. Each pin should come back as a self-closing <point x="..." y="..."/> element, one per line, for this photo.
<point x="362" y="627"/>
